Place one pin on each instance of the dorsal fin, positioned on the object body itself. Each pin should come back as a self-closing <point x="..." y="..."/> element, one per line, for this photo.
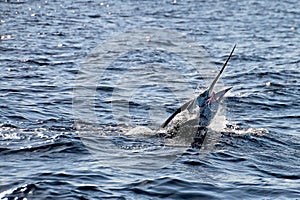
<point x="183" y="107"/>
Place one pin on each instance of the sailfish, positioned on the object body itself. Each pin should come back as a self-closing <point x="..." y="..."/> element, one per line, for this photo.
<point x="205" y="105"/>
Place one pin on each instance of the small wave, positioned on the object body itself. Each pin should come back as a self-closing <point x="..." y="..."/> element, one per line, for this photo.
<point x="16" y="141"/>
<point x="174" y="188"/>
<point x="22" y="191"/>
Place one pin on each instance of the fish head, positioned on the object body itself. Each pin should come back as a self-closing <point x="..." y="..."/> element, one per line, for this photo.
<point x="211" y="99"/>
<point x="209" y="106"/>
<point x="214" y="99"/>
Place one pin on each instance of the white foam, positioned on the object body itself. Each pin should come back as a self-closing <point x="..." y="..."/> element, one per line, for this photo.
<point x="140" y="131"/>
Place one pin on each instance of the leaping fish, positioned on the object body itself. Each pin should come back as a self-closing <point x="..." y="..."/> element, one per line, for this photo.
<point x="207" y="104"/>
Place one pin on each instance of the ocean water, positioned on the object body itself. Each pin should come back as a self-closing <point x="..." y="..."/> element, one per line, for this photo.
<point x="84" y="85"/>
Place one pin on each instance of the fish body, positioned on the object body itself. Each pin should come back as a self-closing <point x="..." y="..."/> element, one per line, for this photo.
<point x="192" y="118"/>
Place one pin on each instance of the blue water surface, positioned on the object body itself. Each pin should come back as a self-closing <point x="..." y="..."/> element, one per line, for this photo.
<point x="77" y="76"/>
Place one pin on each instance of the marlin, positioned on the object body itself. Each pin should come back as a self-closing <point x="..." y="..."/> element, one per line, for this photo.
<point x="205" y="105"/>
